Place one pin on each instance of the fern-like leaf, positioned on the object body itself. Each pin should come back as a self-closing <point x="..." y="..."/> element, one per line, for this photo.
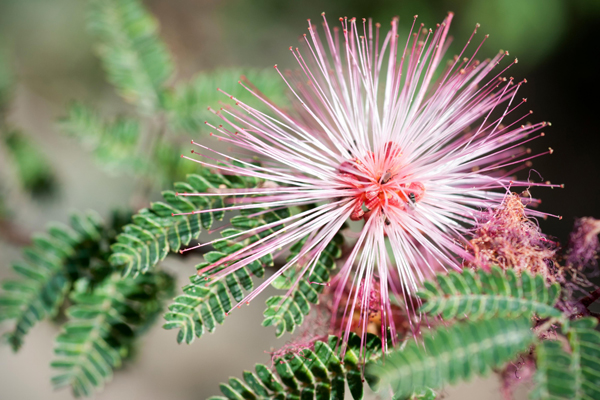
<point x="484" y="294"/>
<point x="155" y="230"/>
<point x="204" y="303"/>
<point x="114" y="144"/>
<point x="315" y="372"/>
<point x="574" y="375"/>
<point x="554" y="376"/>
<point x="34" y="172"/>
<point x="103" y="322"/>
<point x="44" y="275"/>
<point x="285" y="313"/>
<point x="135" y="58"/>
<point x="585" y="353"/>
<point x="447" y="355"/>
<point x="187" y="104"/>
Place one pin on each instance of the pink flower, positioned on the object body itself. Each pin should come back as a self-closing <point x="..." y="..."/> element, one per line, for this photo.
<point x="381" y="134"/>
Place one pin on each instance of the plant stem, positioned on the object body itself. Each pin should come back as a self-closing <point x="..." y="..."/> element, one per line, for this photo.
<point x="591" y="298"/>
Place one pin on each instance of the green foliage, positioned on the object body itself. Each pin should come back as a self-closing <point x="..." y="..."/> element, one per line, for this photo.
<point x="114" y="143"/>
<point x="285" y="313"/>
<point x="585" y="353"/>
<point x="33" y="169"/>
<point x="447" y="355"/>
<point x="574" y="375"/>
<point x="45" y="274"/>
<point x="554" y="377"/>
<point x="155" y="231"/>
<point x="204" y="302"/>
<point x="107" y="313"/>
<point x="481" y="294"/>
<point x="134" y="57"/>
<point x="187" y="104"/>
<point x="315" y="372"/>
<point x="104" y="320"/>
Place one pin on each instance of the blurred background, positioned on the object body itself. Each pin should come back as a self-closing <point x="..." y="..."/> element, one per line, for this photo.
<point x="49" y="60"/>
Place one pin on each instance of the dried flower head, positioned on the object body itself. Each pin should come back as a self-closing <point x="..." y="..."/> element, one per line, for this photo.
<point x="508" y="238"/>
<point x="382" y="134"/>
<point x="583" y="247"/>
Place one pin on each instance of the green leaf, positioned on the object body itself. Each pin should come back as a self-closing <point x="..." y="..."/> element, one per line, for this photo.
<point x="585" y="353"/>
<point x="104" y="320"/>
<point x="187" y="104"/>
<point x="135" y="58"/>
<point x="114" y="143"/>
<point x="157" y="230"/>
<point x="45" y="274"/>
<point x="34" y="172"/>
<point x="489" y="294"/>
<point x="554" y="376"/>
<point x="313" y="371"/>
<point x="575" y="375"/>
<point x="449" y="355"/>
<point x="287" y="313"/>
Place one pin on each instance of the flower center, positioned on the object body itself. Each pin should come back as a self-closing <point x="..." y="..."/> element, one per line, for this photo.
<point x="380" y="184"/>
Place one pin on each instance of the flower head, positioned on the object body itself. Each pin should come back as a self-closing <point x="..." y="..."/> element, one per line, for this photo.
<point x="382" y="133"/>
<point x="507" y="238"/>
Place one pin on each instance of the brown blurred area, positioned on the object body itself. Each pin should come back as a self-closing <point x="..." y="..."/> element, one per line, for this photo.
<point x="52" y="57"/>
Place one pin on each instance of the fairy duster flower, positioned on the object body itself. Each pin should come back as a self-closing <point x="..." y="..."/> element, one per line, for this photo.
<point x="384" y="132"/>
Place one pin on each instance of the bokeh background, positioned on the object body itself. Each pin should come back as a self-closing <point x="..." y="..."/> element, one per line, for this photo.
<point x="51" y="60"/>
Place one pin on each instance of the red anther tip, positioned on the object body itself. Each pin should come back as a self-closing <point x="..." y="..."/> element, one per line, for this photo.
<point x="172" y="215"/>
<point x="206" y="278"/>
<point x="176" y="193"/>
<point x="551" y="150"/>
<point x="291" y="48"/>
<point x="562" y="185"/>
<point x="182" y="156"/>
<point x="530" y="111"/>
<point x="226" y="314"/>
<point x="560" y="217"/>
<point x="275" y="66"/>
<point x="516" y="60"/>
<point x="180" y="251"/>
<point x="239" y="307"/>
<point x="192" y="142"/>
<point x="323" y="13"/>
<point x="416" y="16"/>
<point x="487" y="36"/>
<point x="542" y="134"/>
<point x="206" y="122"/>
<point x="192" y="151"/>
<point x="247" y="303"/>
<point x="308" y="20"/>
<point x="477" y="25"/>
<point x="525" y="100"/>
